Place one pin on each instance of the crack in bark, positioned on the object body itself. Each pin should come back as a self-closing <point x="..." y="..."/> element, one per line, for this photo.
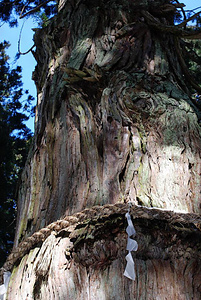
<point x="123" y="171"/>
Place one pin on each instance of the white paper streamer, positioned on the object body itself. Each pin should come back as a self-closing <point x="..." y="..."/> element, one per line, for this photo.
<point x="132" y="245"/>
<point x="4" y="286"/>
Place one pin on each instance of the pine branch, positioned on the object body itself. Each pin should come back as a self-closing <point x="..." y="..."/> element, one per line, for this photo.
<point x="182" y="8"/>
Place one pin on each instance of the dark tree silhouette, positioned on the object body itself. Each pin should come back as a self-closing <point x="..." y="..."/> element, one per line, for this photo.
<point x="14" y="139"/>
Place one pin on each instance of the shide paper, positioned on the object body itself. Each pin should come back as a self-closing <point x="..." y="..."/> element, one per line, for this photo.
<point x="131" y="246"/>
<point x="4" y="286"/>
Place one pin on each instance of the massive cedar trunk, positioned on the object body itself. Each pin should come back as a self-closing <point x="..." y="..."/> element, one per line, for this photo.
<point x="114" y="123"/>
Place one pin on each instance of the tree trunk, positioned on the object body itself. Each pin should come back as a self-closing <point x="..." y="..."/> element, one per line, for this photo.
<point x="114" y="123"/>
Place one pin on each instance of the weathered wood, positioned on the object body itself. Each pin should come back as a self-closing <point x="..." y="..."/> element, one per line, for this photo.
<point x="87" y="260"/>
<point x="114" y="123"/>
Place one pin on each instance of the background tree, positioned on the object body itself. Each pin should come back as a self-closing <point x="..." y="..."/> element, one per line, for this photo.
<point x="9" y="10"/>
<point x="15" y="141"/>
<point x="115" y="122"/>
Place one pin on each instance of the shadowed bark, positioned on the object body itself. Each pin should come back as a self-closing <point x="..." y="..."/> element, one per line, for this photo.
<point x="114" y="123"/>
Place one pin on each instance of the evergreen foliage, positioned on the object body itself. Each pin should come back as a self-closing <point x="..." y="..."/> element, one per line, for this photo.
<point x="9" y="9"/>
<point x="14" y="140"/>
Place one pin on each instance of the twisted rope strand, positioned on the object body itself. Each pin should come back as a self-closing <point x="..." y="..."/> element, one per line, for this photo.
<point x="94" y="213"/>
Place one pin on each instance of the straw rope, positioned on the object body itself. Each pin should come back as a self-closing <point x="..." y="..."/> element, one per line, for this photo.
<point x="191" y="220"/>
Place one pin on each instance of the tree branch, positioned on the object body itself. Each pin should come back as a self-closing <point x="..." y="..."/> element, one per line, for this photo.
<point x="185" y="69"/>
<point x="182" y="9"/>
<point x="188" y="20"/>
<point x="34" y="9"/>
<point x="19" y="40"/>
<point x="23" y="8"/>
<point x="193" y="9"/>
<point x="153" y="22"/>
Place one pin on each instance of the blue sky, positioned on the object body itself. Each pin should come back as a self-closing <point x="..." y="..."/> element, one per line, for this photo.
<point x="27" y="62"/>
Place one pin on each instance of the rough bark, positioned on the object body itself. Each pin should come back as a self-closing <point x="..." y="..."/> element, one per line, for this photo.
<point x="114" y="123"/>
<point x="131" y="134"/>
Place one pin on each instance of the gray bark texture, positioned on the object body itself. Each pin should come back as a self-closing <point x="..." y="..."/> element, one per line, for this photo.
<point x="114" y="123"/>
